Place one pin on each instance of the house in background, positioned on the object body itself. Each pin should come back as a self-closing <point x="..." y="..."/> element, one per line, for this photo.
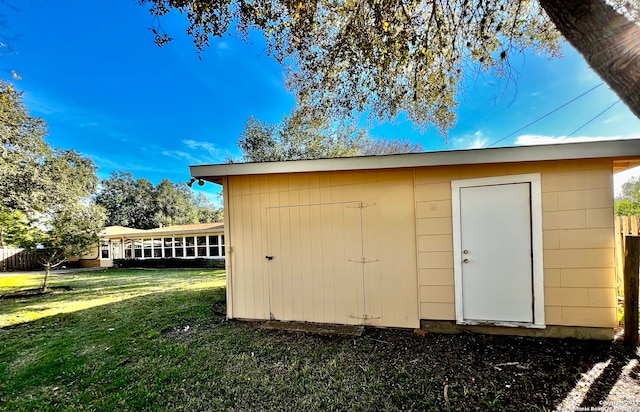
<point x="202" y="241"/>
<point x="515" y="240"/>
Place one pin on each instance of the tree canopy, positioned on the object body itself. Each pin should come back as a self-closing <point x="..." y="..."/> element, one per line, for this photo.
<point x="413" y="56"/>
<point x="298" y="137"/>
<point x="45" y="193"/>
<point x="628" y="203"/>
<point x="137" y="203"/>
<point x="22" y="155"/>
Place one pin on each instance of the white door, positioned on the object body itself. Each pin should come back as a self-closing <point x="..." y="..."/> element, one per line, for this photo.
<point x="496" y="253"/>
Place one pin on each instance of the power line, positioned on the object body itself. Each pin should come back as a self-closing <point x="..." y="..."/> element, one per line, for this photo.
<point x="592" y="119"/>
<point x="550" y="113"/>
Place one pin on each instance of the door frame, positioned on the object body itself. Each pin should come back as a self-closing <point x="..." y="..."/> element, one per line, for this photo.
<point x="536" y="244"/>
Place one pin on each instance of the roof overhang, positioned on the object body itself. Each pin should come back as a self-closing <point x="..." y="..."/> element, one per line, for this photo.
<point x="626" y="153"/>
<point x="129" y="233"/>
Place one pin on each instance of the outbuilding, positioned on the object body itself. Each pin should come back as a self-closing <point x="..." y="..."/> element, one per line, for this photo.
<point x="515" y="240"/>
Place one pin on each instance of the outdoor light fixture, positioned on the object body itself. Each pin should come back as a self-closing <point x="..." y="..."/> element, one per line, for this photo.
<point x="192" y="181"/>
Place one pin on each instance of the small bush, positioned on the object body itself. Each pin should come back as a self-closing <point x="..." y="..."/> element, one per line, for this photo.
<point x="171" y="263"/>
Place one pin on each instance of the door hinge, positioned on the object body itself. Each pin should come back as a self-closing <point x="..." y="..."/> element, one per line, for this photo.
<point x="365" y="317"/>
<point x="360" y="205"/>
<point x="363" y="260"/>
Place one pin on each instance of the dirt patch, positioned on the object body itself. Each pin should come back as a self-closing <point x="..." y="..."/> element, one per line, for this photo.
<point x="316" y="328"/>
<point x="35" y="292"/>
<point x="179" y="333"/>
<point x="467" y="371"/>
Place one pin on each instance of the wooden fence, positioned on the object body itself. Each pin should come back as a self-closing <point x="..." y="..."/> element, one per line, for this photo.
<point x="18" y="259"/>
<point x="625" y="225"/>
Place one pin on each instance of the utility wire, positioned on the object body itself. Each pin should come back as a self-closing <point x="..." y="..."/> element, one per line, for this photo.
<point x="592" y="119"/>
<point x="550" y="113"/>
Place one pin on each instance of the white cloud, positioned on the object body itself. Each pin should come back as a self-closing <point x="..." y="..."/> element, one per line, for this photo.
<point x="471" y="141"/>
<point x="199" y="153"/>
<point x="178" y="154"/>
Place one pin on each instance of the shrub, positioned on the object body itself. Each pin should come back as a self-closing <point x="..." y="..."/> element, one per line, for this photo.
<point x="169" y="263"/>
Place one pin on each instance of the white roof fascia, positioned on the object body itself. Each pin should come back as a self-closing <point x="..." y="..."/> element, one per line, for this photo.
<point x="565" y="151"/>
<point x="147" y="235"/>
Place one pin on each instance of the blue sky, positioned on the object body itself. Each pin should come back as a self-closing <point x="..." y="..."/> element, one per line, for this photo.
<point x="92" y="71"/>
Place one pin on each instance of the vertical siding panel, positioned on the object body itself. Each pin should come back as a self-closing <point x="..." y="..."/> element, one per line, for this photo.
<point x="328" y="284"/>
<point x="275" y="265"/>
<point x="338" y="253"/>
<point x="389" y="236"/>
<point x="317" y="260"/>
<point x="297" y="261"/>
<point x="253" y="289"/>
<point x="352" y="241"/>
<point x="264" y="286"/>
<point x="264" y="184"/>
<point x="241" y="306"/>
<point x="247" y="253"/>
<point x="286" y="259"/>
<point x="372" y="251"/>
<point x="306" y="255"/>
<point x="254" y="184"/>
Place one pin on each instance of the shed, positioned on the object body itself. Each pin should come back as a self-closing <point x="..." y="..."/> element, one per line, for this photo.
<point x="516" y="240"/>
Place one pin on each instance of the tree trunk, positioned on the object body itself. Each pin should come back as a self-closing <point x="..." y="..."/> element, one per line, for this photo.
<point x="47" y="272"/>
<point x="609" y="42"/>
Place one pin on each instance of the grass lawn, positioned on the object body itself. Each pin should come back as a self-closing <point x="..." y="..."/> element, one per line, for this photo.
<point x="158" y="340"/>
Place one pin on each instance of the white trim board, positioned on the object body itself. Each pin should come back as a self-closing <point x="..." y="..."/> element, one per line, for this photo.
<point x="534" y="180"/>
<point x="626" y="149"/>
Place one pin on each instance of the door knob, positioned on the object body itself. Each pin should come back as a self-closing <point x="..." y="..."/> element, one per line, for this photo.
<point x="465" y="251"/>
<point x="466" y="261"/>
<point x="268" y="257"/>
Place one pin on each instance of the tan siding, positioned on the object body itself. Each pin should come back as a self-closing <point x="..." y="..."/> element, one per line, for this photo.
<point x="573" y="219"/>
<point x="595" y="317"/>
<point x="431" y="209"/>
<point x="437" y="311"/>
<point x="435" y="240"/>
<point x="435" y="243"/>
<point x="553" y="315"/>
<point x="476" y="171"/>
<point x="578" y="244"/>
<point x="577" y="206"/>
<point x="435" y="226"/>
<point x="407" y="229"/>
<point x="436" y="277"/>
<point x="579" y="199"/>
<point x="552" y="277"/>
<point x="320" y="279"/>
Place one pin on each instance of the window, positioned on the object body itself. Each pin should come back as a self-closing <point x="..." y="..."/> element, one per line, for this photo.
<point x="189" y="242"/>
<point x="216" y="245"/>
<point x="168" y="247"/>
<point x="147" y="248"/>
<point x="137" y="248"/>
<point x="201" y="242"/>
<point x="104" y="250"/>
<point x="127" y="249"/>
<point x="178" y="242"/>
<point x="157" y="248"/>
